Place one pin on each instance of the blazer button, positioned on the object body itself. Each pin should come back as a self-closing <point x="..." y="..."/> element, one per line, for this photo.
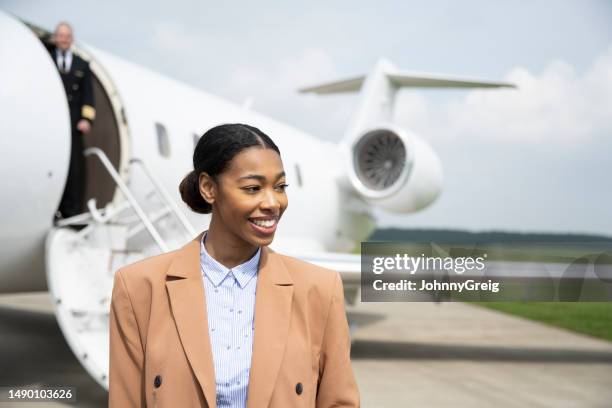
<point x="298" y="388"/>
<point x="158" y="381"/>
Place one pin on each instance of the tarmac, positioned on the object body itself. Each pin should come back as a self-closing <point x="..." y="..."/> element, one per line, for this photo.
<point x="460" y="355"/>
<point x="419" y="355"/>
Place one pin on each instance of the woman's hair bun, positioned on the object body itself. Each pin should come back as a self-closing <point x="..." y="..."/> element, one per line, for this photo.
<point x="190" y="193"/>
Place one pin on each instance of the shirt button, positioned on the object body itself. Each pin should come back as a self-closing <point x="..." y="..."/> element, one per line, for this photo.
<point x="229" y="347"/>
<point x="231" y="310"/>
<point x="216" y="290"/>
<point x="213" y="329"/>
<point x="240" y="311"/>
<point x="238" y="348"/>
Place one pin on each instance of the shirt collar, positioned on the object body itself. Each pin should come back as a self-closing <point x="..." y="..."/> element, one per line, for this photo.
<point x="217" y="272"/>
<point x="58" y="52"/>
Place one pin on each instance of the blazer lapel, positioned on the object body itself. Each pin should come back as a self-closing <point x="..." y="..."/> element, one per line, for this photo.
<point x="274" y="294"/>
<point x="187" y="298"/>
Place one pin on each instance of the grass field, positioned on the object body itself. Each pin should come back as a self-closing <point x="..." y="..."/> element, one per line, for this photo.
<point x="591" y="318"/>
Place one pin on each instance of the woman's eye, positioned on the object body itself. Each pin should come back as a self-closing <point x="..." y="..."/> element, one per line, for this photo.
<point x="251" y="189"/>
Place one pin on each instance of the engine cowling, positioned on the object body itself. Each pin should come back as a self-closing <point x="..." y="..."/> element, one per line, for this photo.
<point x="393" y="168"/>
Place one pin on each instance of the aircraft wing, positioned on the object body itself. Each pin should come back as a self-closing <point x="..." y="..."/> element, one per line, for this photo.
<point x="595" y="267"/>
<point x="349" y="265"/>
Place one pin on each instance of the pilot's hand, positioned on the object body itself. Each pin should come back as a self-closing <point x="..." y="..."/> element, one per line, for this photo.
<point x="84" y="126"/>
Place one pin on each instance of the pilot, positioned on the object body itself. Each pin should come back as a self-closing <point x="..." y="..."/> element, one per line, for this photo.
<point x="76" y="77"/>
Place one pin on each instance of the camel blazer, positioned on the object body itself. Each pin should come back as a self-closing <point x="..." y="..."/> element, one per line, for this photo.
<point x="160" y="352"/>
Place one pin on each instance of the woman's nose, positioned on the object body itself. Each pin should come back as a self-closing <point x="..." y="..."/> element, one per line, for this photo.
<point x="270" y="201"/>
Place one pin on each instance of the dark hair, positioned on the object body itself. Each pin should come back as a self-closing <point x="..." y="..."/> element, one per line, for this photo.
<point x="213" y="153"/>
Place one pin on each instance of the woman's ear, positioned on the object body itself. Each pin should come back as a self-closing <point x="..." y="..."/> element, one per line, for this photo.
<point x="208" y="188"/>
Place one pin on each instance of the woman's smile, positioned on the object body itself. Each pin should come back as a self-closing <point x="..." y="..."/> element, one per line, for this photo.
<point x="264" y="225"/>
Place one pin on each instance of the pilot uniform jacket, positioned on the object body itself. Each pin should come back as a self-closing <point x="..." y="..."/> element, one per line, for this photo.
<point x="79" y="89"/>
<point x="160" y="351"/>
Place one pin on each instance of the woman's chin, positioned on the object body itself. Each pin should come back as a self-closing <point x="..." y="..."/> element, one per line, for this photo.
<point x="259" y="241"/>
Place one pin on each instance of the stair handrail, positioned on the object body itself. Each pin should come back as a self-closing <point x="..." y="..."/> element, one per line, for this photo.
<point x="166" y="197"/>
<point x="128" y="194"/>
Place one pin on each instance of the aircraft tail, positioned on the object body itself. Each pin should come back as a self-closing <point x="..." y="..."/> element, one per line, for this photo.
<point x="378" y="89"/>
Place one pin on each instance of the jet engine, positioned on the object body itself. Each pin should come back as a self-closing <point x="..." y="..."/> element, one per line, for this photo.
<point x="394" y="169"/>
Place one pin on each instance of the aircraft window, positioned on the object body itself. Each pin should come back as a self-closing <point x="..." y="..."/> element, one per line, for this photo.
<point x="196" y="139"/>
<point x="299" y="174"/>
<point x="163" y="141"/>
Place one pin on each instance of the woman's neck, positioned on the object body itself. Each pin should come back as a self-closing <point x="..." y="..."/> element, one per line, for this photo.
<point x="226" y="248"/>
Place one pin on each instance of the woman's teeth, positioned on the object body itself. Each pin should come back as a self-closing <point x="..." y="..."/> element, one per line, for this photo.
<point x="263" y="223"/>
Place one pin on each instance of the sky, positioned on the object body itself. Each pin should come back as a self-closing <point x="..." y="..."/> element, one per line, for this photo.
<point x="534" y="159"/>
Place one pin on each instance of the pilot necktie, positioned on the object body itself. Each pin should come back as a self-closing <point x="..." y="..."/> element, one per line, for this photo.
<point x="63" y="61"/>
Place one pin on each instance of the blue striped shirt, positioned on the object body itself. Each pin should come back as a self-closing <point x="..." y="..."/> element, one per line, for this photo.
<point x="230" y="303"/>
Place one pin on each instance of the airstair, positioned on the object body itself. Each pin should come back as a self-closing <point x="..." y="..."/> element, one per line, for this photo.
<point x="80" y="265"/>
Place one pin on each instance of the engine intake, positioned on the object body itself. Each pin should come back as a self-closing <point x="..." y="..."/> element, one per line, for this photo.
<point x="380" y="158"/>
<point x="394" y="169"/>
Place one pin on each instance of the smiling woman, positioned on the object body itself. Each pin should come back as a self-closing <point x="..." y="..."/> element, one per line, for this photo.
<point x="226" y="321"/>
